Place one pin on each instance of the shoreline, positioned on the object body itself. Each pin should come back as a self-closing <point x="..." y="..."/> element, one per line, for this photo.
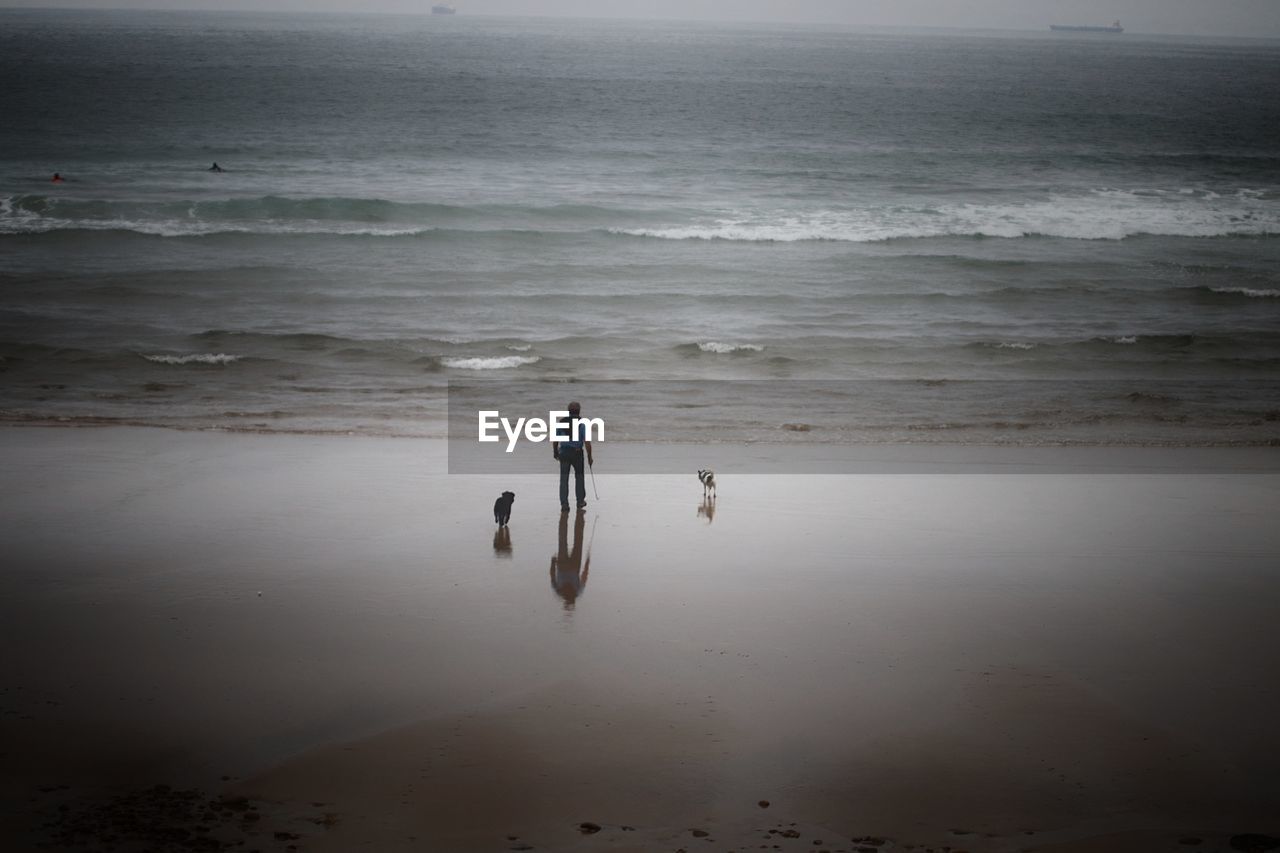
<point x="1139" y="413"/>
<point x="333" y="631"/>
<point x="780" y="456"/>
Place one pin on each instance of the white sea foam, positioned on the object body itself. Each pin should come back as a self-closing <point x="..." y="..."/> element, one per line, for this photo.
<point x="1014" y="345"/>
<point x="1097" y="215"/>
<point x="504" y="362"/>
<point x="1124" y="339"/>
<point x="198" y="358"/>
<point x="519" y="347"/>
<point x="1104" y="214"/>
<point x="718" y="347"/>
<point x="1257" y="293"/>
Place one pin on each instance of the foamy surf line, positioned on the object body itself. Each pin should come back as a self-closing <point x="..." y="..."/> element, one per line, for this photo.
<point x="197" y="229"/>
<point x="504" y="362"/>
<point x="1102" y="215"/>
<point x="1253" y="292"/>
<point x="724" y="348"/>
<point x="195" y="358"/>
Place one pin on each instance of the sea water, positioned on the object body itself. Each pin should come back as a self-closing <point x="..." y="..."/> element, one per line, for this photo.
<point x="1077" y="235"/>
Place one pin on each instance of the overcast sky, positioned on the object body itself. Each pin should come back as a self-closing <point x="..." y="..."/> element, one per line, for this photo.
<point x="1196" y="17"/>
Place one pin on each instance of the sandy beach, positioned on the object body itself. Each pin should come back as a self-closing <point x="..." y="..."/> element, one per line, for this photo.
<point x="320" y="643"/>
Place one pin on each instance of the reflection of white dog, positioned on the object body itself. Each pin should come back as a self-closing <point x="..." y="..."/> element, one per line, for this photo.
<point x="707" y="510"/>
<point x="708" y="478"/>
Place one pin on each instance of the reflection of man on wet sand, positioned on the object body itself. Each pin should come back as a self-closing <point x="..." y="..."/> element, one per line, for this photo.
<point x="568" y="574"/>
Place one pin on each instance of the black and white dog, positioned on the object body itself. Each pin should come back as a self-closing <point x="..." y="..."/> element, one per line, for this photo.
<point x="502" y="508"/>
<point x="708" y="478"/>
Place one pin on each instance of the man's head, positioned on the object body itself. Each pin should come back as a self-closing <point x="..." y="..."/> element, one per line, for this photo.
<point x="575" y="408"/>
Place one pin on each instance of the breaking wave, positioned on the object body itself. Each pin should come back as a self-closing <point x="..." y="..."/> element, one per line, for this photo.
<point x="1100" y="215"/>
<point x="718" y="347"/>
<point x="1097" y="215"/>
<point x="1254" y="292"/>
<point x="504" y="362"/>
<point x="277" y="215"/>
<point x="198" y="358"/>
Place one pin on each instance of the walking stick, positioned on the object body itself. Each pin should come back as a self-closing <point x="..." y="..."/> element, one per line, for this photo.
<point x="592" y="539"/>
<point x="592" y="469"/>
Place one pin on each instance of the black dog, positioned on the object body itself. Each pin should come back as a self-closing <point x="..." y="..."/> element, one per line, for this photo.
<point x="502" y="508"/>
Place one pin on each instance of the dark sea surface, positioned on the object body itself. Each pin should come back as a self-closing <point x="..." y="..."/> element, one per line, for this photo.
<point x="1077" y="236"/>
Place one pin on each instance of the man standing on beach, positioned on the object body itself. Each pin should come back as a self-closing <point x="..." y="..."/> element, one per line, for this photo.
<point x="570" y="455"/>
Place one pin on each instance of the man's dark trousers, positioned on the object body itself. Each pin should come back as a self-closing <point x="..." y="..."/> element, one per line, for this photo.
<point x="572" y="459"/>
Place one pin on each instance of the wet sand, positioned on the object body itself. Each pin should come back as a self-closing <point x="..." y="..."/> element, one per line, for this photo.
<point x="320" y="643"/>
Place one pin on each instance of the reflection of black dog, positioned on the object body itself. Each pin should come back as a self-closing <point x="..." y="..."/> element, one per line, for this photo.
<point x="502" y="542"/>
<point x="502" y="508"/>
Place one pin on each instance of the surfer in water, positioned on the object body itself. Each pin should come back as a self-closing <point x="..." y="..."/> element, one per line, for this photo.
<point x="215" y="167"/>
<point x="57" y="179"/>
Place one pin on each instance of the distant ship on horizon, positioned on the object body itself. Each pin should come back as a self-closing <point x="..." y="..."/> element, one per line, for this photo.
<point x="1068" y="28"/>
<point x="443" y="9"/>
